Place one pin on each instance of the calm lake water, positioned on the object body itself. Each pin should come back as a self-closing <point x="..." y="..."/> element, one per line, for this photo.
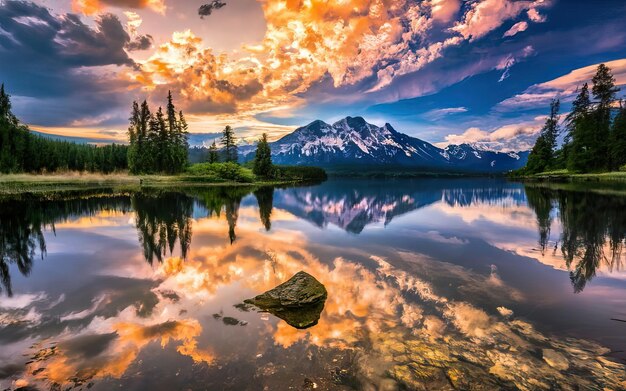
<point x="432" y="284"/>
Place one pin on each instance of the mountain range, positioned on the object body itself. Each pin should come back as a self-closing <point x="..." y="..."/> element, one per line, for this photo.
<point x="354" y="143"/>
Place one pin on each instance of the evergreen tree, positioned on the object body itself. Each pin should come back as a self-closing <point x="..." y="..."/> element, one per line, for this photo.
<point x="5" y="108"/>
<point x="263" y="160"/>
<point x="20" y="150"/>
<point x="159" y="141"/>
<point x="213" y="154"/>
<point x="542" y="155"/>
<point x="143" y="132"/>
<point x="578" y="128"/>
<point x="618" y="138"/>
<point x="604" y="92"/>
<point x="182" y="145"/>
<point x="133" y="132"/>
<point x="163" y="143"/>
<point x="229" y="143"/>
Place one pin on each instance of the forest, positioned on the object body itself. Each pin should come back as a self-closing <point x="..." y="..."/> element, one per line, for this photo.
<point x="23" y="151"/>
<point x="593" y="133"/>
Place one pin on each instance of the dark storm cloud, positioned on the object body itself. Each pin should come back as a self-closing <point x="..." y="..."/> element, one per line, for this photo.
<point x="30" y="30"/>
<point x="47" y="56"/>
<point x="142" y="42"/>
<point x="207" y="9"/>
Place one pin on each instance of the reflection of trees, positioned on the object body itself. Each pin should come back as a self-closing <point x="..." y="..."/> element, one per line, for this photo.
<point x="592" y="223"/>
<point x="163" y="217"/>
<point x="24" y="219"/>
<point x="265" y="198"/>
<point x="226" y="199"/>
<point x="540" y="201"/>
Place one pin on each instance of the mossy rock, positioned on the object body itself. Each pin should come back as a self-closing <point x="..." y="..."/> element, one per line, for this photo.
<point x="299" y="301"/>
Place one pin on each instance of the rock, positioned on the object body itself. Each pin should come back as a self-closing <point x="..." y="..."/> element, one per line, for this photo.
<point x="300" y="290"/>
<point x="298" y="301"/>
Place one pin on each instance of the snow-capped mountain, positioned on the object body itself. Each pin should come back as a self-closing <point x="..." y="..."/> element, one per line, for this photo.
<point x="354" y="142"/>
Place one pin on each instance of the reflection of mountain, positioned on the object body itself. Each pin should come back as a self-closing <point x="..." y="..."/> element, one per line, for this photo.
<point x="594" y="229"/>
<point x="352" y="205"/>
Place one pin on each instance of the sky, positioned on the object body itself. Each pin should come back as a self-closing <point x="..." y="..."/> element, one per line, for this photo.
<point x="446" y="71"/>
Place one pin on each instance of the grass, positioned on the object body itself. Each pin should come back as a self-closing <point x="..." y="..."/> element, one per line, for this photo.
<point x="565" y="174"/>
<point x="202" y="174"/>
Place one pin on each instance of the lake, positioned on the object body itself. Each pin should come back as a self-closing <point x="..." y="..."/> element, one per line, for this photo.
<point x="432" y="284"/>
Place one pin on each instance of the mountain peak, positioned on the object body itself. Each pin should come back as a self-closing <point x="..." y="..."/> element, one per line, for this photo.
<point x="353" y="141"/>
<point x="351" y="122"/>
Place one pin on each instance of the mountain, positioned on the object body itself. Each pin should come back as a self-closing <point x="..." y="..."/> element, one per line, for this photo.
<point x="352" y="142"/>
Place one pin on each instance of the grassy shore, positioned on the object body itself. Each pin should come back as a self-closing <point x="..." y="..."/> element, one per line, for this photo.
<point x="18" y="183"/>
<point x="565" y="176"/>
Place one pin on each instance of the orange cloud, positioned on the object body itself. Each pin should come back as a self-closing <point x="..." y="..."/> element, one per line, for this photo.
<point x="91" y="7"/>
<point x="349" y="41"/>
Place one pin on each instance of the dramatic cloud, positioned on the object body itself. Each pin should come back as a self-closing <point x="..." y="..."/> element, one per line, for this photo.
<point x="55" y="56"/>
<point x="516" y="28"/>
<point x="487" y="15"/>
<point x="353" y="44"/>
<point x="207" y="9"/>
<point x="141" y="42"/>
<point x="513" y="137"/>
<point x="445" y="10"/>
<point x="540" y="95"/>
<point x="91" y="7"/>
<point x="535" y="16"/>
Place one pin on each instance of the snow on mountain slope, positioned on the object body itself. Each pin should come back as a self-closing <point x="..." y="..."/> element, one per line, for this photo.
<point x="354" y="142"/>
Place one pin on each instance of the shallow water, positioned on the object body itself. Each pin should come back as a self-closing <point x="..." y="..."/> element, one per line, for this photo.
<point x="432" y="284"/>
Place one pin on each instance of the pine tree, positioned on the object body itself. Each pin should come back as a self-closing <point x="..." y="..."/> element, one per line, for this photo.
<point x="158" y="142"/>
<point x="604" y="91"/>
<point x="263" y="160"/>
<point x="618" y="138"/>
<point x="213" y="154"/>
<point x="133" y="131"/>
<point x="229" y="143"/>
<point x="5" y="108"/>
<point x="578" y="131"/>
<point x="182" y="145"/>
<point x="162" y="145"/>
<point x="542" y="155"/>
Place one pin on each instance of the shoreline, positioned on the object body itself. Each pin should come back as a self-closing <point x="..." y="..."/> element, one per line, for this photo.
<point x="567" y="177"/>
<point x="18" y="183"/>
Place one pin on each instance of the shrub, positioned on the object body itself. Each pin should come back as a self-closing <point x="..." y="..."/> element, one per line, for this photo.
<point x="222" y="171"/>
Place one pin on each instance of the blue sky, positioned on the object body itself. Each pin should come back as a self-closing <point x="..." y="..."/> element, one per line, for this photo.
<point x="447" y="71"/>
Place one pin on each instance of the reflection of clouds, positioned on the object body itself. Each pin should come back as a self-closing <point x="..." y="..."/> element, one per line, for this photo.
<point x="104" y="218"/>
<point x="402" y="328"/>
<point x="416" y="342"/>
<point x="92" y="356"/>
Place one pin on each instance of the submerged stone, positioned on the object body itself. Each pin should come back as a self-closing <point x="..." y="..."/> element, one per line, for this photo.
<point x="299" y="301"/>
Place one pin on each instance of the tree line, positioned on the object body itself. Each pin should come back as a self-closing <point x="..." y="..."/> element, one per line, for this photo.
<point x="594" y="132"/>
<point x="23" y="151"/>
<point x="262" y="165"/>
<point x="158" y="141"/>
